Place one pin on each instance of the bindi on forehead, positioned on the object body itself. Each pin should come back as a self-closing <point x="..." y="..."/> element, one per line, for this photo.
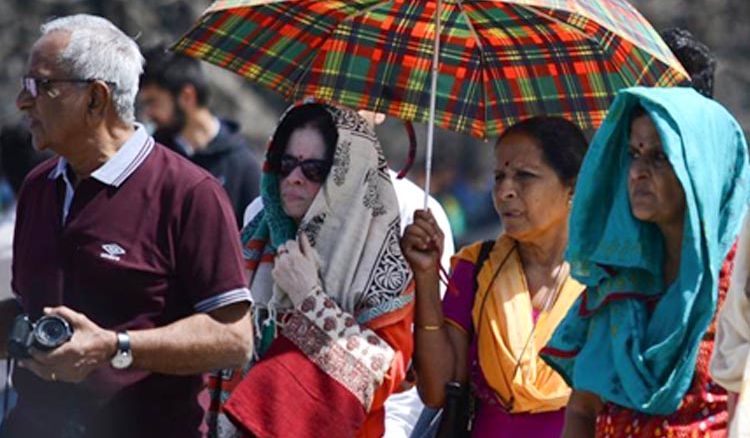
<point x="517" y="162"/>
<point x="645" y="144"/>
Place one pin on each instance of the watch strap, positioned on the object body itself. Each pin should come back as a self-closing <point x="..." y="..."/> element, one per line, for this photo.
<point x="123" y="342"/>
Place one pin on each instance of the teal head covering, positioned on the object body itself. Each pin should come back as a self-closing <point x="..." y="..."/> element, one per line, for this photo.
<point x="627" y="339"/>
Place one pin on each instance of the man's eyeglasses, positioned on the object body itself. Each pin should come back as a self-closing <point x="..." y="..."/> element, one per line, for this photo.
<point x="33" y="85"/>
<point x="314" y="170"/>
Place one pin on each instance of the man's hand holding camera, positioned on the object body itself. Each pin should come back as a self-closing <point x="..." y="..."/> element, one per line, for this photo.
<point x="89" y="348"/>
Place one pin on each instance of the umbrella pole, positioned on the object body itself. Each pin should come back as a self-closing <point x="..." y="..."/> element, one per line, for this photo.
<point x="433" y="98"/>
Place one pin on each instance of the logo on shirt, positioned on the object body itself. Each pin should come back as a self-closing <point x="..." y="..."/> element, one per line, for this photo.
<point x="112" y="251"/>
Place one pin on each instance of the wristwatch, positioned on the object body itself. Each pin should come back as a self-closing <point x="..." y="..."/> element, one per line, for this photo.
<point x="123" y="358"/>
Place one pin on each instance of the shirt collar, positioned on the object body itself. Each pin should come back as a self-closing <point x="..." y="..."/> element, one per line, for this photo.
<point x="122" y="164"/>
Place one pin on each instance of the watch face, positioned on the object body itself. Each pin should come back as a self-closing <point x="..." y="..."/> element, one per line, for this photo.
<point x="121" y="360"/>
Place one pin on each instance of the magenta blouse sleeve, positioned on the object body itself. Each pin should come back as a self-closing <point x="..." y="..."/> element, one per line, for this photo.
<point x="459" y="298"/>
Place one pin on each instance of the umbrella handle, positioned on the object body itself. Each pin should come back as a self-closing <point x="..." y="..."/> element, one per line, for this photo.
<point x="412" y="150"/>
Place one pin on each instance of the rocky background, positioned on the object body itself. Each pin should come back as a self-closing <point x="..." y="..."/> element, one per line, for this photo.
<point x="721" y="24"/>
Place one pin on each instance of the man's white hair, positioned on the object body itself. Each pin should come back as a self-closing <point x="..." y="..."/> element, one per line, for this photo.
<point x="99" y="50"/>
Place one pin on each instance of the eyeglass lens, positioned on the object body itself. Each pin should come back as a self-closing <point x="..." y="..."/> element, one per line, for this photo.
<point x="29" y="84"/>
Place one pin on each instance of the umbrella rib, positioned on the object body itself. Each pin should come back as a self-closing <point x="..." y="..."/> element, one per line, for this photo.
<point x="365" y="10"/>
<point x="658" y="56"/>
<point x="594" y="41"/>
<point x="471" y="26"/>
<point x="573" y="29"/>
<point x="480" y="46"/>
<point x="348" y="18"/>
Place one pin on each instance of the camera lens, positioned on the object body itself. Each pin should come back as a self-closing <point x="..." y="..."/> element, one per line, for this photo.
<point x="51" y="331"/>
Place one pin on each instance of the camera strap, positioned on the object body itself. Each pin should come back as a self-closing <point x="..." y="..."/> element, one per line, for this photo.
<point x="9" y="363"/>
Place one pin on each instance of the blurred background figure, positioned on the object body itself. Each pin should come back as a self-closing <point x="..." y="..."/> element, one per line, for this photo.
<point x="17" y="158"/>
<point x="694" y="56"/>
<point x="445" y="176"/>
<point x="402" y="409"/>
<point x="729" y="365"/>
<point x="174" y="97"/>
<point x="464" y="191"/>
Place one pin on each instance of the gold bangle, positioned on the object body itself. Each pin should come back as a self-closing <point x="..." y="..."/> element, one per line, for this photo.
<point x="430" y="328"/>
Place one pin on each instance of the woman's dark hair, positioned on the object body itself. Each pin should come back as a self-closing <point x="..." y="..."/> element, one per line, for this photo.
<point x="694" y="56"/>
<point x="638" y="111"/>
<point x="312" y="115"/>
<point x="562" y="143"/>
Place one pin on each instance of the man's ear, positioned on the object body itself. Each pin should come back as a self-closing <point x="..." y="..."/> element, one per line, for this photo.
<point x="187" y="98"/>
<point x="99" y="98"/>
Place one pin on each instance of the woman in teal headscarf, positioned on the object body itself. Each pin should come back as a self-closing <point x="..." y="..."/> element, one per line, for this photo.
<point x="658" y="204"/>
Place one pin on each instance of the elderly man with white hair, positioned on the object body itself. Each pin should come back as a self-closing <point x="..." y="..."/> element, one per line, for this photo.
<point x="132" y="246"/>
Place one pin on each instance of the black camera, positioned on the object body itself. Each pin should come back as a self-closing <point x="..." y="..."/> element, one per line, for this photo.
<point x="47" y="333"/>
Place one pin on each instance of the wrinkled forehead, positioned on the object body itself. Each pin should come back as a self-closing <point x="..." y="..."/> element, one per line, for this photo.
<point x="44" y="59"/>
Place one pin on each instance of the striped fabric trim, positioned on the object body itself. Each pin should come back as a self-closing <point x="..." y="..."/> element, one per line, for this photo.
<point x="139" y="158"/>
<point x="224" y="299"/>
<point x="120" y="166"/>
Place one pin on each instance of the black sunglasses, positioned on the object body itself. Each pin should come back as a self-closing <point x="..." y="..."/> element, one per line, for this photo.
<point x="314" y="170"/>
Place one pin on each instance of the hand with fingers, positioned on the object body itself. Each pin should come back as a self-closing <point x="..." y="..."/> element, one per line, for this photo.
<point x="422" y="243"/>
<point x="296" y="268"/>
<point x="90" y="347"/>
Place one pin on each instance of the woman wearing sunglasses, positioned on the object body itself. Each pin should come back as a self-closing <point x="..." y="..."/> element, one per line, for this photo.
<point x="505" y="297"/>
<point x="332" y="292"/>
<point x="659" y="203"/>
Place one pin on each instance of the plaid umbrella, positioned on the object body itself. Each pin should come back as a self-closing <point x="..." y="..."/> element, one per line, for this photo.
<point x="500" y="61"/>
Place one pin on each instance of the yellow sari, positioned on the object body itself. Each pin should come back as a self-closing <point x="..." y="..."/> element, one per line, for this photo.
<point x="503" y="322"/>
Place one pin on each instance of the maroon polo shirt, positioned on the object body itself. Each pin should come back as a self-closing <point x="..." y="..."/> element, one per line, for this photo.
<point x="155" y="245"/>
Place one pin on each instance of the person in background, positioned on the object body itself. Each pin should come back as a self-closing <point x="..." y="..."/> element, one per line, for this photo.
<point x="730" y="364"/>
<point x="694" y="56"/>
<point x="659" y="202"/>
<point x="132" y="245"/>
<point x="17" y="158"/>
<point x="442" y="180"/>
<point x="402" y="409"/>
<point x="505" y="297"/>
<point x="174" y="95"/>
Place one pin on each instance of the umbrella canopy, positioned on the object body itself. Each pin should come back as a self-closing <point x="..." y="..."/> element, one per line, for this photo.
<point x="500" y="61"/>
